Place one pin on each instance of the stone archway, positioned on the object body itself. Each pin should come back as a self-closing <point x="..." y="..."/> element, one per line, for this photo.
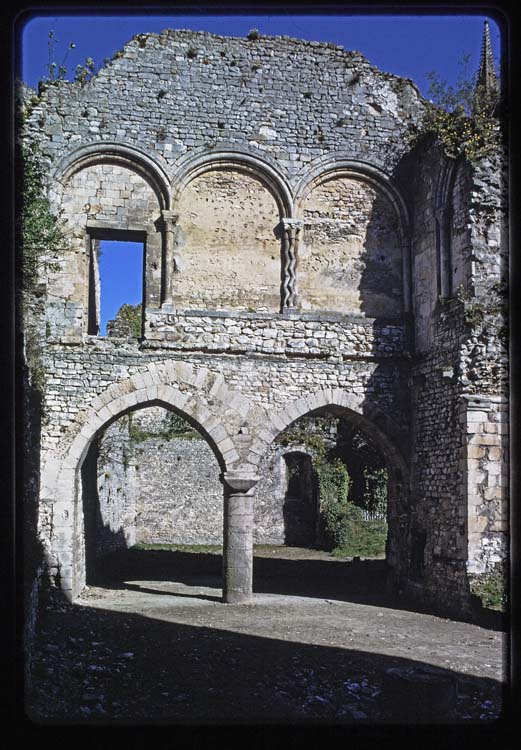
<point x="60" y="476"/>
<point x="380" y="428"/>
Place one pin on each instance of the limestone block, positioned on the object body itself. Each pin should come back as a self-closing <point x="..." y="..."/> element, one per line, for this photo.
<point x="474" y="452"/>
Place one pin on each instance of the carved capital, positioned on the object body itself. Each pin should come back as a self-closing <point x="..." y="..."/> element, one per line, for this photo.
<point x="239" y="482"/>
<point x="170" y="219"/>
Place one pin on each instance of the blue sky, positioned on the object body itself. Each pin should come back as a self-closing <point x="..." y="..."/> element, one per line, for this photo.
<point x="121" y="277"/>
<point x="408" y="46"/>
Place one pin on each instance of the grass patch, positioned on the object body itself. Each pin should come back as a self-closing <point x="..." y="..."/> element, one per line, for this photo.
<point x="197" y="548"/>
<point x="363" y="539"/>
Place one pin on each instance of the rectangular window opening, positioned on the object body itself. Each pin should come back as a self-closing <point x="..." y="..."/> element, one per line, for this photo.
<point x="116" y="283"/>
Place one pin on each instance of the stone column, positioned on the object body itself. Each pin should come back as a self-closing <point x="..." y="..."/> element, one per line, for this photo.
<point x="238" y="537"/>
<point x="291" y="232"/>
<point x="406" y="245"/>
<point x="171" y="262"/>
<point x="444" y="251"/>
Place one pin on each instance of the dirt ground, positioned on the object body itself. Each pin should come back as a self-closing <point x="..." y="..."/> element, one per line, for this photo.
<point x="152" y="642"/>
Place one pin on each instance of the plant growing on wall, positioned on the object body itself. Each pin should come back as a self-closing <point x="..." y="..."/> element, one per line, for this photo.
<point x="41" y="239"/>
<point x="343" y="528"/>
<point x="41" y="233"/>
<point x="375" y="495"/>
<point x="492" y="587"/>
<point x="130" y="316"/>
<point x="57" y="72"/>
<point x="463" y="117"/>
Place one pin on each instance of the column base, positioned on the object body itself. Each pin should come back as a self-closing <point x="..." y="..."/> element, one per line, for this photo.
<point x="237" y="597"/>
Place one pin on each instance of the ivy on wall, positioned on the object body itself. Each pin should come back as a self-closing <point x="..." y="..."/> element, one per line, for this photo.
<point x="40" y="242"/>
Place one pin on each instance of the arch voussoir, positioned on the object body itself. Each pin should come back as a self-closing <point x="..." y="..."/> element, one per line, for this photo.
<point x="364" y="414"/>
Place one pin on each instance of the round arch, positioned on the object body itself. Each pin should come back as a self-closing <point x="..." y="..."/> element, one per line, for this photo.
<point x="329" y="168"/>
<point x="115" y="153"/>
<point x="194" y="166"/>
<point x="324" y="170"/>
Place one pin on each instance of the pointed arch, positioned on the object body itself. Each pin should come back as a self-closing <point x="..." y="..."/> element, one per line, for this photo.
<point x="176" y="386"/>
<point x="374" y="422"/>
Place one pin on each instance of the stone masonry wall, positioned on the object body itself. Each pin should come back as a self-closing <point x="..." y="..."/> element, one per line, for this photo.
<point x="297" y="254"/>
<point x="290" y="100"/>
<point x="180" y="96"/>
<point x="228" y="246"/>
<point x="318" y="335"/>
<point x="263" y="381"/>
<point x="460" y="448"/>
<point x="109" y="504"/>
<point x="350" y="255"/>
<point x="179" y="498"/>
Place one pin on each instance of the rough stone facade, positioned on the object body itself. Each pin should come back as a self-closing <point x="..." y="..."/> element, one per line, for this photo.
<point x="300" y="257"/>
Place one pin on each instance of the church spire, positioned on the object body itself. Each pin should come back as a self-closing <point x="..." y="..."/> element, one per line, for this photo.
<point x="487" y="86"/>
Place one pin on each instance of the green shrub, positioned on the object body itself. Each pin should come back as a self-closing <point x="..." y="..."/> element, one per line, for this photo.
<point x="131" y="316"/>
<point x="360" y="538"/>
<point x="375" y="495"/>
<point x="462" y="116"/>
<point x="334" y="484"/>
<point x="491" y="587"/>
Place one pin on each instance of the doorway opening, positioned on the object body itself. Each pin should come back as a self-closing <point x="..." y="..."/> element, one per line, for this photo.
<point x="151" y="496"/>
<point x="300" y="501"/>
<point x="325" y="486"/>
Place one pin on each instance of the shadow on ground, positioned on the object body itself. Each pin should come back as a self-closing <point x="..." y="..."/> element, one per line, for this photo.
<point x="356" y="581"/>
<point x="98" y="666"/>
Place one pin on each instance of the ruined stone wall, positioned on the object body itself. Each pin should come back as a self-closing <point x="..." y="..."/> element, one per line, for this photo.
<point x="292" y="260"/>
<point x="108" y="489"/>
<point x="228" y="241"/>
<point x="460" y="240"/>
<point x="104" y="194"/>
<point x="350" y="256"/>
<point x="176" y="99"/>
<point x="291" y="100"/>
<point x="322" y="336"/>
<point x="264" y="382"/>
<point x="460" y="449"/>
<point x="179" y="498"/>
<point x="440" y="511"/>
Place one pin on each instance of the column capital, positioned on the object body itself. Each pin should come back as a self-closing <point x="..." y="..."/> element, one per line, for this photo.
<point x="238" y="481"/>
<point x="169" y="216"/>
<point x="288" y="223"/>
